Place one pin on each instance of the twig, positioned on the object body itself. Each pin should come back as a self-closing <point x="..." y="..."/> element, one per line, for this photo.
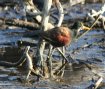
<point x="19" y="23"/>
<point x="44" y="26"/>
<point x="98" y="83"/>
<point x="30" y="65"/>
<point x="49" y="60"/>
<point x="94" y="14"/>
<point x="102" y="10"/>
<point x="63" y="62"/>
<point x="95" y="85"/>
<point x="61" y="13"/>
<point x="62" y="55"/>
<point x="57" y="71"/>
<point x="90" y="28"/>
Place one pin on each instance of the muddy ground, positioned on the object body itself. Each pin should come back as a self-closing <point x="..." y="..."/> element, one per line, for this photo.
<point x="90" y="48"/>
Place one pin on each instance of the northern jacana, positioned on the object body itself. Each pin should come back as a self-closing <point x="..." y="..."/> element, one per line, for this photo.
<point x="62" y="36"/>
<point x="59" y="36"/>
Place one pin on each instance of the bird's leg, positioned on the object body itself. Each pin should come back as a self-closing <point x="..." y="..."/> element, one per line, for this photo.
<point x="49" y="60"/>
<point x="63" y="62"/>
<point x="39" y="55"/>
<point x="66" y="60"/>
<point x="57" y="71"/>
<point x="44" y="27"/>
<point x="61" y="73"/>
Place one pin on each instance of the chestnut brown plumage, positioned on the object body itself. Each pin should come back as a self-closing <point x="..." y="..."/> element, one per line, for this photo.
<point x="58" y="36"/>
<point x="62" y="36"/>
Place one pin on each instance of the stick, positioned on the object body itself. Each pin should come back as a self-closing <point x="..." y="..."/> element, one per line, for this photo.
<point x="49" y="60"/>
<point x="61" y="13"/>
<point x="90" y="28"/>
<point x="30" y="65"/>
<point x="101" y="12"/>
<point x="98" y="82"/>
<point x="19" y="23"/>
<point x="62" y="55"/>
<point x="44" y="26"/>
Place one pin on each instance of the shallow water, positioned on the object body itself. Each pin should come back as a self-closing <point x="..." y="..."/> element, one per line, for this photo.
<point x="90" y="47"/>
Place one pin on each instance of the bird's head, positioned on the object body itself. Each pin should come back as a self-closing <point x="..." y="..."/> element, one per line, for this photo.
<point x="77" y="27"/>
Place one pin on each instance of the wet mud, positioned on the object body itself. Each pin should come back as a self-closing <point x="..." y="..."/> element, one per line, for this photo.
<point x="90" y="48"/>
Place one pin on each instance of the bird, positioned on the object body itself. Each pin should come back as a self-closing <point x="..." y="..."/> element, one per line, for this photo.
<point x="62" y="36"/>
<point x="58" y="36"/>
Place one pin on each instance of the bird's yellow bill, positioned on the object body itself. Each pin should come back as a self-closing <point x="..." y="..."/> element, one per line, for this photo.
<point x="86" y="28"/>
